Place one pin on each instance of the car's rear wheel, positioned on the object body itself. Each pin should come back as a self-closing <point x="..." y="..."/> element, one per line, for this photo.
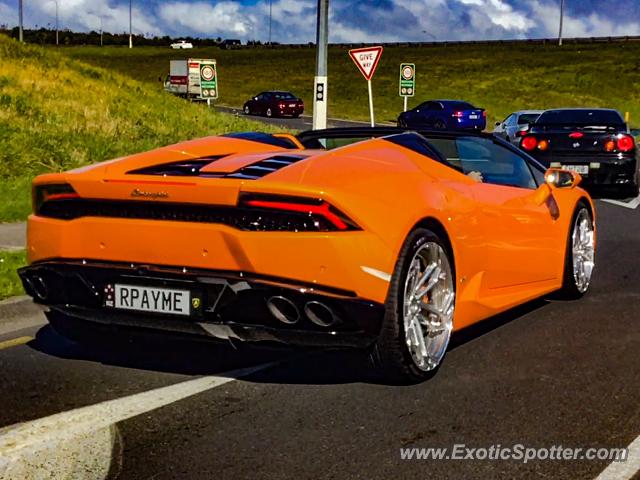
<point x="419" y="309"/>
<point x="247" y="110"/>
<point x="440" y="125"/>
<point x="269" y="113"/>
<point x="580" y="254"/>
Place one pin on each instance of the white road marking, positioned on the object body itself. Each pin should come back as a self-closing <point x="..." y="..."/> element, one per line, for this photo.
<point x="633" y="204"/>
<point x="376" y="273"/>
<point x="624" y="470"/>
<point x="80" y="443"/>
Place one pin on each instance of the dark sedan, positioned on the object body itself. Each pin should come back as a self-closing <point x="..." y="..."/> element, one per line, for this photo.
<point x="274" y="104"/>
<point x="595" y="142"/>
<point x="444" y="115"/>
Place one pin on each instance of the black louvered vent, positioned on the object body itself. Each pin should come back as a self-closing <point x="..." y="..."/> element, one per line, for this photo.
<point x="183" y="168"/>
<point x="265" y="167"/>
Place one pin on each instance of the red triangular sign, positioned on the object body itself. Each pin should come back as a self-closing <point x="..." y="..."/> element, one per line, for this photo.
<point x="366" y="59"/>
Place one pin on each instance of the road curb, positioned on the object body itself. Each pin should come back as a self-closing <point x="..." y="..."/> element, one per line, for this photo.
<point x="17" y="306"/>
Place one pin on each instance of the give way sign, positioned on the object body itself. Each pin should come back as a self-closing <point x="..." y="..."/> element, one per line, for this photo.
<point x="366" y="59"/>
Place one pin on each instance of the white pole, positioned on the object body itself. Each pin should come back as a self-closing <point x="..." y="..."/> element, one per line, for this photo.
<point x="21" y="34"/>
<point x="373" y="122"/>
<point x="57" y="29"/>
<point x="405" y="104"/>
<point x="130" y="28"/>
<point x="561" y="18"/>
<point x="320" y="81"/>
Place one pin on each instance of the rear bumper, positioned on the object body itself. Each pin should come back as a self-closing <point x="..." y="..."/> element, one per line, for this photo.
<point x="230" y="306"/>
<point x="607" y="174"/>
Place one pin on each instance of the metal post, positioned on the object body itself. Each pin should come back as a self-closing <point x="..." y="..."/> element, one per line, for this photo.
<point x="101" y="30"/>
<point x="405" y="104"/>
<point x="57" y="29"/>
<point x="373" y="121"/>
<point x="320" y="82"/>
<point x="270" y="10"/>
<point x="561" y="19"/>
<point x="130" y="29"/>
<point x="21" y="34"/>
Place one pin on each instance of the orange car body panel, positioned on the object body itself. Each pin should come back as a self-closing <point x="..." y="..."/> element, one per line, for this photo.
<point x="507" y="249"/>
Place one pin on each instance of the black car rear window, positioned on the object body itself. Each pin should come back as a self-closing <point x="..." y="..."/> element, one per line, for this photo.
<point x="581" y="117"/>
<point x="283" y="96"/>
<point x="460" y="105"/>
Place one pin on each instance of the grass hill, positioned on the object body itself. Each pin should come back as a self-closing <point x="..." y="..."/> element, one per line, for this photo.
<point x="501" y="78"/>
<point x="58" y="112"/>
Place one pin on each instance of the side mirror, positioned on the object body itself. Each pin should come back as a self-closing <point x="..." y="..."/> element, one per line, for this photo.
<point x="557" y="178"/>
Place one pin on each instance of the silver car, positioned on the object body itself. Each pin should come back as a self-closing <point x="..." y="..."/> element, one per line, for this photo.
<point x="516" y="125"/>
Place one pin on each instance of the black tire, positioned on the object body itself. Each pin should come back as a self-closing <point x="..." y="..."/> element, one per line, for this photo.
<point x="570" y="290"/>
<point x="390" y="352"/>
<point x="247" y="110"/>
<point x="440" y="125"/>
<point x="296" y="115"/>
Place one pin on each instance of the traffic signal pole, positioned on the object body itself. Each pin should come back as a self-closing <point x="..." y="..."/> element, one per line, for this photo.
<point x="320" y="81"/>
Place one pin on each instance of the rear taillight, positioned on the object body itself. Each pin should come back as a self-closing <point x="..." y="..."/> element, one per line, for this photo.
<point x="543" y="145"/>
<point x="324" y="216"/>
<point x="610" y="146"/>
<point x="625" y="143"/>
<point x="281" y="105"/>
<point x="458" y="114"/>
<point x="576" y="135"/>
<point x="51" y="192"/>
<point x="484" y="114"/>
<point x="529" y="143"/>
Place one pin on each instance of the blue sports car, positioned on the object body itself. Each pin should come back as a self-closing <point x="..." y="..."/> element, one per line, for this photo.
<point x="444" y="115"/>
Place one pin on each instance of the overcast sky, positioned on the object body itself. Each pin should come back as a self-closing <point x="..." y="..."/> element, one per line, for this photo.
<point x="350" y="21"/>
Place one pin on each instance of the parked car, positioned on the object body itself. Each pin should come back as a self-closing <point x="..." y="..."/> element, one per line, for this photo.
<point x="516" y="125"/>
<point x="595" y="142"/>
<point x="181" y="44"/>
<point x="444" y="115"/>
<point x="388" y="244"/>
<point x="274" y="104"/>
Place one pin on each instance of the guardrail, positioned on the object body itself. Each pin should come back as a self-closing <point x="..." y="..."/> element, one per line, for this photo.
<point x="529" y="41"/>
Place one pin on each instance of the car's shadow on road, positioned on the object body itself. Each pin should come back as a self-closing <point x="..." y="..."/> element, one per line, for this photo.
<point x="293" y="366"/>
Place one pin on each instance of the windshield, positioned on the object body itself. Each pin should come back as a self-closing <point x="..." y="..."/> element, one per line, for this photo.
<point x="584" y="118"/>
<point x="284" y="96"/>
<point x="527" y="118"/>
<point x="460" y="106"/>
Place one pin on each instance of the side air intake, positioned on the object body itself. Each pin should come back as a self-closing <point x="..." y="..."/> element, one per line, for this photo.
<point x="265" y="167"/>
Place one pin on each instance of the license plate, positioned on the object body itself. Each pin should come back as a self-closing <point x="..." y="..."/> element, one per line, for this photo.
<point x="292" y="104"/>
<point x="148" y="299"/>
<point x="582" y="169"/>
<point x="473" y="117"/>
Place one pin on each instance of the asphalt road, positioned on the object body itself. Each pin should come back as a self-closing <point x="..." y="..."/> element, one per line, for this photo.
<point x="552" y="373"/>
<point x="302" y="123"/>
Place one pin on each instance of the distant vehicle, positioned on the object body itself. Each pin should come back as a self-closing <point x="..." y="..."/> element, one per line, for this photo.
<point x="444" y="115"/>
<point x="516" y="125"/>
<point x="593" y="142"/>
<point x="181" y="44"/>
<point x="184" y="78"/>
<point x="230" y="44"/>
<point x="274" y="104"/>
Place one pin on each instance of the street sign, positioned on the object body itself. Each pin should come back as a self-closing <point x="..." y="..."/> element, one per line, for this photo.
<point x="407" y="80"/>
<point x="208" y="80"/>
<point x="366" y="59"/>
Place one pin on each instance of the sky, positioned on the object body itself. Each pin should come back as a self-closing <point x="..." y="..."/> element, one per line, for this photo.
<point x="293" y="21"/>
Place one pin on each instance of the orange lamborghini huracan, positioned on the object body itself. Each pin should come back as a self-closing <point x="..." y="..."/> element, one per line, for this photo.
<point x="375" y="238"/>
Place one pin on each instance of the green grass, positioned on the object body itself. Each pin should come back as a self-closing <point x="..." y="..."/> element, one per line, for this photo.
<point x="501" y="78"/>
<point x="58" y="113"/>
<point x="10" y="284"/>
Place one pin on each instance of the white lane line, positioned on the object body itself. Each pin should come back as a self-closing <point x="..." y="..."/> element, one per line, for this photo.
<point x="624" y="470"/>
<point x="79" y="443"/>
<point x="633" y="204"/>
